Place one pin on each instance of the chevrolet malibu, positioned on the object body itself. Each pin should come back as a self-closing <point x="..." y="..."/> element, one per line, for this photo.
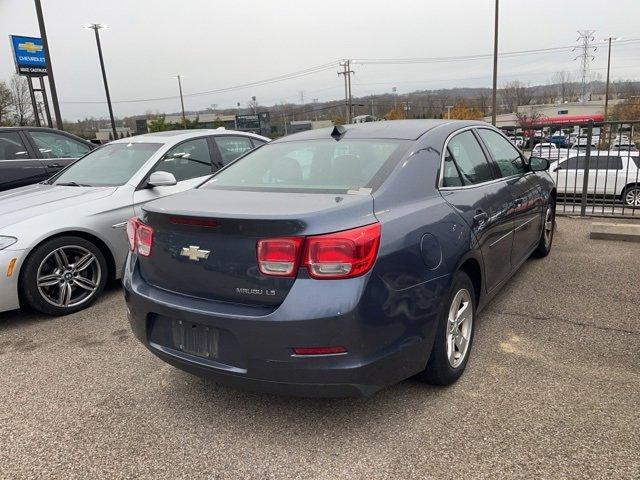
<point x="338" y="261"/>
<point x="63" y="239"/>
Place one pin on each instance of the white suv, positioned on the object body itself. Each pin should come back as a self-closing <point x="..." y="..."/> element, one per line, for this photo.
<point x="550" y="151"/>
<point x="612" y="174"/>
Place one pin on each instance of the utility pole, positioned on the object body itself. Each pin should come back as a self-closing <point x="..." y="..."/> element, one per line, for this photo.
<point x="47" y="56"/>
<point x="606" y="91"/>
<point x="95" y="27"/>
<point x="346" y="71"/>
<point x="494" y="93"/>
<point x="184" y="118"/>
<point x="585" y="37"/>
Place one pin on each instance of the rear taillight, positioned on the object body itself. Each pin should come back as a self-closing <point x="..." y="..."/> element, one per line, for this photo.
<point x="279" y="256"/>
<point x="140" y="237"/>
<point x="345" y="254"/>
<point x="132" y="226"/>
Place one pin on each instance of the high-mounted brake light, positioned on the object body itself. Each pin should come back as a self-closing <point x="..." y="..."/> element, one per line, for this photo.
<point x="140" y="237"/>
<point x="345" y="254"/>
<point x="279" y="256"/>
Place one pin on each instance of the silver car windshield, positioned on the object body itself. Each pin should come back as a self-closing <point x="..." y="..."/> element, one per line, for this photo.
<point x="314" y="165"/>
<point x="111" y="165"/>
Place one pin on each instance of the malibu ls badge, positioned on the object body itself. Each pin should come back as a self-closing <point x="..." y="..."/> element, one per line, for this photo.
<point x="194" y="253"/>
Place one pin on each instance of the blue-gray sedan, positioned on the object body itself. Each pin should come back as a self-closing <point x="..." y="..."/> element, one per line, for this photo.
<point x="338" y="261"/>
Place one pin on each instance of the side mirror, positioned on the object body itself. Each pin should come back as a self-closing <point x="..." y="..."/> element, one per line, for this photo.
<point x="538" y="164"/>
<point x="161" y="179"/>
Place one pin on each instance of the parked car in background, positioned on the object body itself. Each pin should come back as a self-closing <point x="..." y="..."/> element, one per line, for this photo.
<point x="559" y="141"/>
<point x="517" y="140"/>
<point x="32" y="154"/>
<point x="612" y="174"/>
<point x="338" y="261"/>
<point x="549" y="151"/>
<point x="62" y="239"/>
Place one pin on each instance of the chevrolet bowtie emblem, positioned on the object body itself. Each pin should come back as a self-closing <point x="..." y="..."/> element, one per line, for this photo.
<point x="30" y="47"/>
<point x="194" y="253"/>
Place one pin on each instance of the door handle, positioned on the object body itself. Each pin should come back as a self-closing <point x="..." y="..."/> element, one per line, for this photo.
<point x="54" y="165"/>
<point x="480" y="217"/>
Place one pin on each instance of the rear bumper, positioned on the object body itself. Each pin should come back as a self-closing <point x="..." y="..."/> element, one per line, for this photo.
<point x="9" y="299"/>
<point x="381" y="351"/>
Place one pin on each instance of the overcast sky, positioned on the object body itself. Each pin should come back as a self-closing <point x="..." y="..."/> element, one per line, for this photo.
<point x="217" y="44"/>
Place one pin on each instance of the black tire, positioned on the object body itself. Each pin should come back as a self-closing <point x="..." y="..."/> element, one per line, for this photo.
<point x="88" y="281"/>
<point x="546" y="237"/>
<point x="439" y="370"/>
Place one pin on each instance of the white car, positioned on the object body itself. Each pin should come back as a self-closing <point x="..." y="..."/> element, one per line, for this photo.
<point x="612" y="174"/>
<point x="550" y="151"/>
<point x="61" y="240"/>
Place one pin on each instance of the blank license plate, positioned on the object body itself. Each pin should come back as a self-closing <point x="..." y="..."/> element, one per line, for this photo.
<point x="195" y="339"/>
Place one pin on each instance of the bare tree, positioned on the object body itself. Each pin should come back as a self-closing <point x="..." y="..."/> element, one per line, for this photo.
<point x="515" y="94"/>
<point x="566" y="86"/>
<point x="6" y="103"/>
<point x="22" y="108"/>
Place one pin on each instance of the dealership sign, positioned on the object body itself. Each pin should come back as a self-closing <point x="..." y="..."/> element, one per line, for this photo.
<point x="28" y="54"/>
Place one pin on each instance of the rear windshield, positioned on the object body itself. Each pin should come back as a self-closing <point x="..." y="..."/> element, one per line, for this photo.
<point x="322" y="165"/>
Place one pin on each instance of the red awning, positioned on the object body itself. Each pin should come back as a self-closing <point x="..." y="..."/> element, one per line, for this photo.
<point x="596" y="117"/>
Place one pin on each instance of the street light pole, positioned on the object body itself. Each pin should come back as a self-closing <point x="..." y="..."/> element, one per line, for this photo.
<point x="184" y="118"/>
<point x="95" y="27"/>
<point x="47" y="56"/>
<point x="606" y="91"/>
<point x="495" y="68"/>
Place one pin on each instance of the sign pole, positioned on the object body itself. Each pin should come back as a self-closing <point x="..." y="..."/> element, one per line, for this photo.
<point x="47" y="56"/>
<point x="45" y="100"/>
<point x="34" y="104"/>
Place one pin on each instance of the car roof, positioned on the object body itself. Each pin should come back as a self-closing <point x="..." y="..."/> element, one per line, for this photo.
<point x="389" y="129"/>
<point x="45" y="129"/>
<point x="176" y="135"/>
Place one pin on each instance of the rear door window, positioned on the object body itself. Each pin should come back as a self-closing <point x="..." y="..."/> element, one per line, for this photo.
<point x="465" y="162"/>
<point x="503" y="152"/>
<point x="231" y="147"/>
<point x="605" y="163"/>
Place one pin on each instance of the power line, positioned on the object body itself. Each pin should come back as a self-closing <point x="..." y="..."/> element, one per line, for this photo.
<point x="279" y="78"/>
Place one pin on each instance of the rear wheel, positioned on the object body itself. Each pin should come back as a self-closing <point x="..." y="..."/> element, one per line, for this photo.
<point x="631" y="196"/>
<point x="454" y="335"/>
<point x="548" y="229"/>
<point x="63" y="275"/>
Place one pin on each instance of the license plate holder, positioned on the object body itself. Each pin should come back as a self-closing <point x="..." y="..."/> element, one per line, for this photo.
<point x="195" y="339"/>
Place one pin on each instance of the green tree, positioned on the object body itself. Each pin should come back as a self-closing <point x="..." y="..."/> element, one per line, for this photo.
<point x="158" y="124"/>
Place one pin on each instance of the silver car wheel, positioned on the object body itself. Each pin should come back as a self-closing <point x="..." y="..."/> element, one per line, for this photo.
<point x="548" y="226"/>
<point x="459" y="325"/>
<point x="632" y="197"/>
<point x="69" y="276"/>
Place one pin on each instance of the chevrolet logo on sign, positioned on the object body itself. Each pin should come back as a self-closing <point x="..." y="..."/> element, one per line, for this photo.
<point x="30" y="47"/>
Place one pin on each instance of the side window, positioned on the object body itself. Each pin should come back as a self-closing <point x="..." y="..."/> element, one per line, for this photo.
<point x="11" y="147"/>
<point x="573" y="163"/>
<point x="54" y="145"/>
<point x="256" y="142"/>
<point x="605" y="163"/>
<point x="464" y="162"/>
<point x="188" y="160"/>
<point x="231" y="147"/>
<point x="505" y="155"/>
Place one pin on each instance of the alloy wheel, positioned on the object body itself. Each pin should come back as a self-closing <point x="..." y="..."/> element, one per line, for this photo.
<point x="548" y="226"/>
<point x="459" y="325"/>
<point x="69" y="276"/>
<point x="632" y="197"/>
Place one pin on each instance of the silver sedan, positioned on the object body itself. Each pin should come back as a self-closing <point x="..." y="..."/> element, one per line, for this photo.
<point x="63" y="239"/>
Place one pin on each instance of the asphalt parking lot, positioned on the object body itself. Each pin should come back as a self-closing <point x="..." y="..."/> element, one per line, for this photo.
<point x="552" y="390"/>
